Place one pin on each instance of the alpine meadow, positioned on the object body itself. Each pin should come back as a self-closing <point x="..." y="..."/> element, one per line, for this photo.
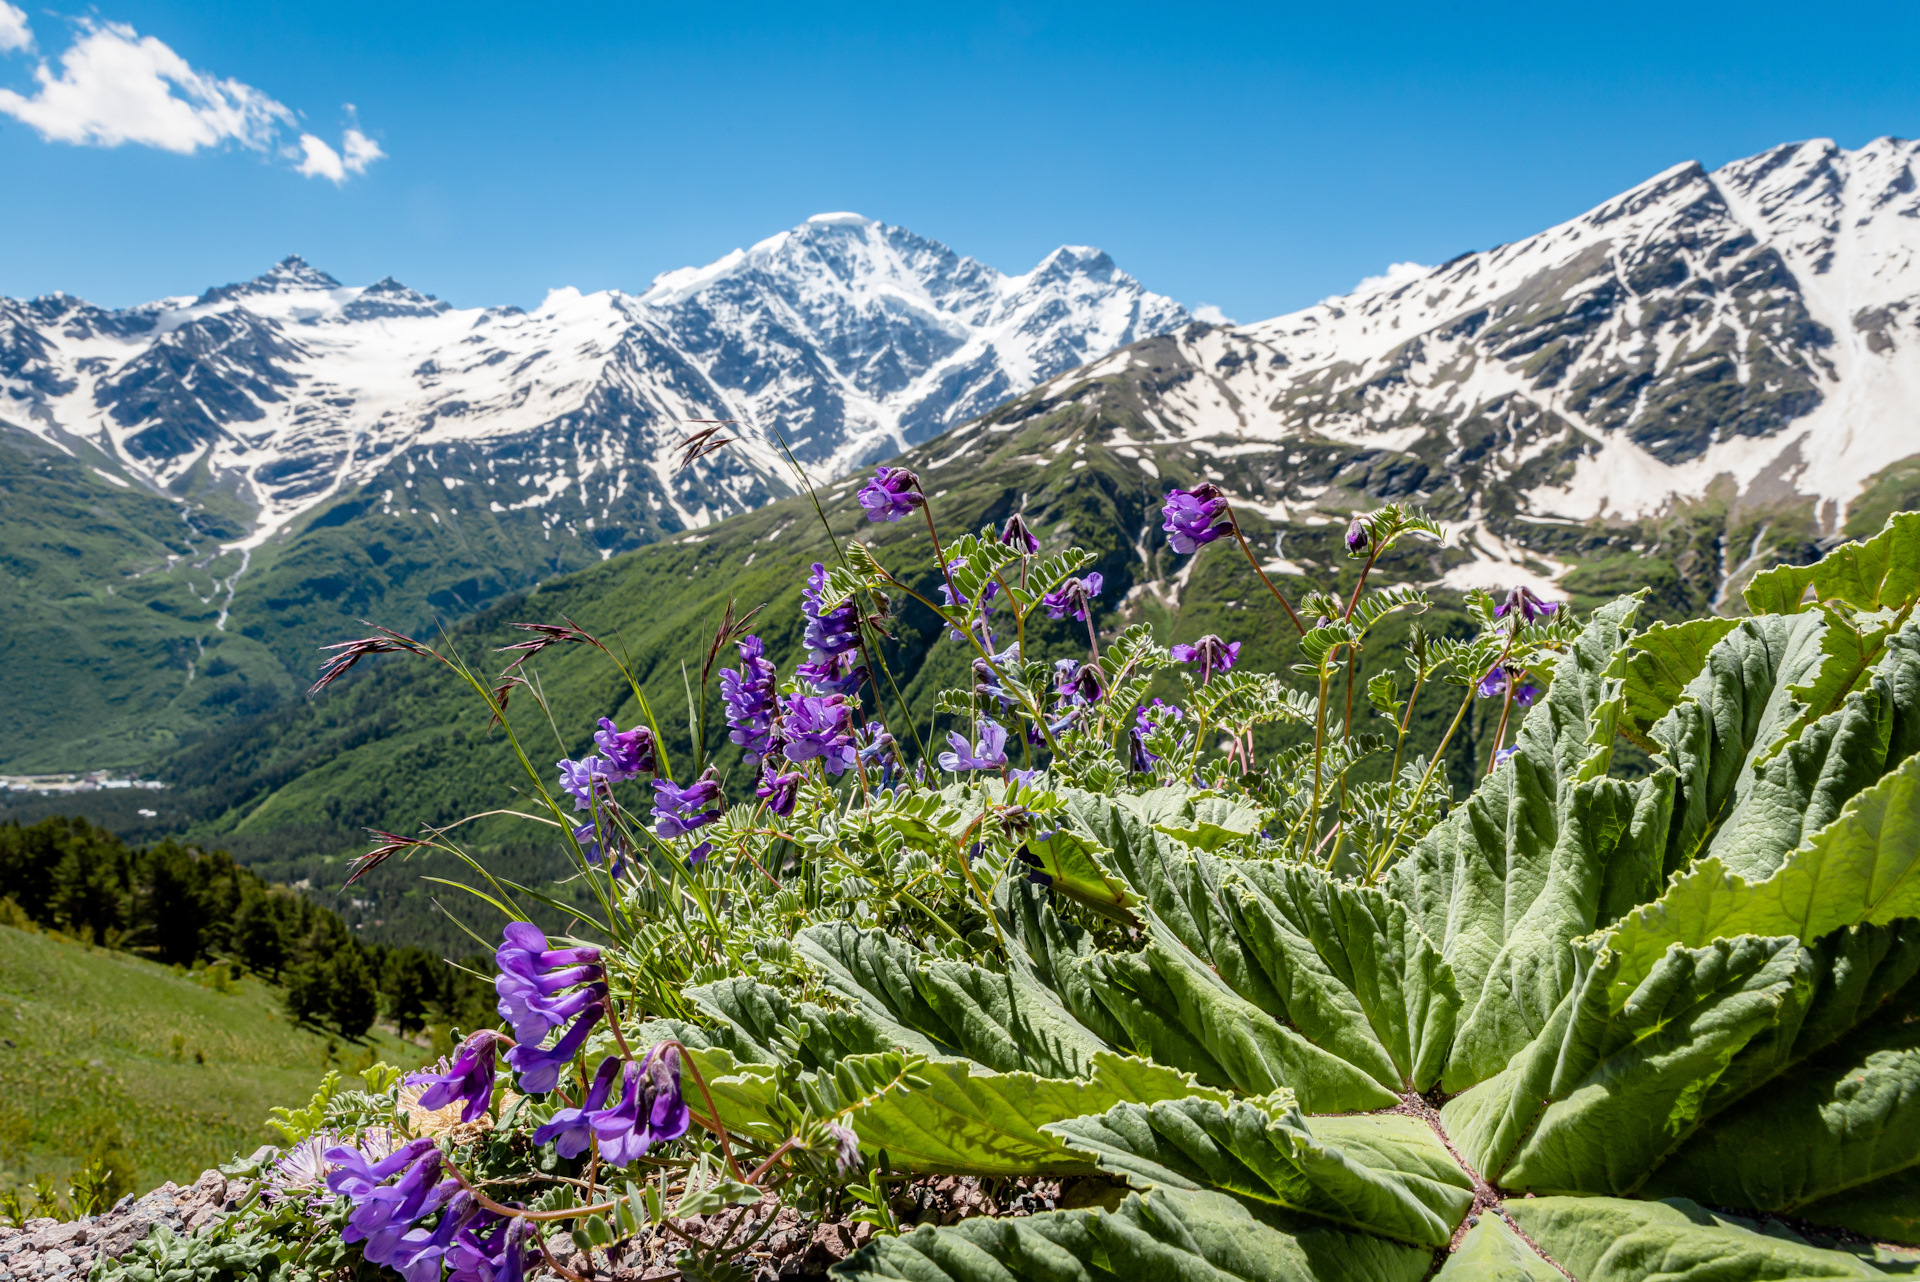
<point x="847" y="762"/>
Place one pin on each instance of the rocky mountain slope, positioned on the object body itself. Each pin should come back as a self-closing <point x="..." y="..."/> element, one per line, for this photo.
<point x="1742" y="343"/>
<point x="296" y="454"/>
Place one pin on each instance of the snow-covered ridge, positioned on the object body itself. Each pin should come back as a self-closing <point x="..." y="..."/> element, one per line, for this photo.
<point x="845" y="337"/>
<point x="1757" y="325"/>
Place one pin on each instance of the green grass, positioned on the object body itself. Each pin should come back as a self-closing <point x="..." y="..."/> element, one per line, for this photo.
<point x="90" y="1049"/>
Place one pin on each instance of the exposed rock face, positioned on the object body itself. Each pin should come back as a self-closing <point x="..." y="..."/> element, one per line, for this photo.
<point x="848" y="338"/>
<point x="1751" y="333"/>
<point x="49" y="1249"/>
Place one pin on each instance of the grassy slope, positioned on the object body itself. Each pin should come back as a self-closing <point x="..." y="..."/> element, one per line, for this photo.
<point x="399" y="744"/>
<point x="110" y="593"/>
<point x="90" y="1042"/>
<point x="102" y="597"/>
<point x="404" y="745"/>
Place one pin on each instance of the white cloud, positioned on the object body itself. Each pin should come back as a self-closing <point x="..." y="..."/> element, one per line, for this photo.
<point x="15" y="34"/>
<point x="361" y="151"/>
<point x="1211" y="315"/>
<point x="318" y="160"/>
<point x="1395" y="276"/>
<point x="115" y="86"/>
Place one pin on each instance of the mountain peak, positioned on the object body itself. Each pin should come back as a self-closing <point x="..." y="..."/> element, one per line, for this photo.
<point x="291" y="274"/>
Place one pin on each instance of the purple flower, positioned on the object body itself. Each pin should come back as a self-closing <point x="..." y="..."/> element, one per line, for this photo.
<point x="1523" y="602"/>
<point x="829" y="632"/>
<point x="837" y="674"/>
<point x="749" y="696"/>
<point x="383" y="1213"/>
<point x="524" y="951"/>
<point x="1074" y="597"/>
<point x="1498" y="677"/>
<point x="1211" y="653"/>
<point x="1139" y="760"/>
<point x="1505" y="755"/>
<point x="989" y="754"/>
<point x="354" y="1176"/>
<point x="628" y="752"/>
<point x="986" y="683"/>
<point x="1359" y="536"/>
<point x="1016" y="534"/>
<point x="417" y="1254"/>
<point x="533" y="1012"/>
<point x="1086" y="683"/>
<point x="879" y="751"/>
<point x="846" y="1147"/>
<point x="779" y="792"/>
<point x="651" y="1109"/>
<point x="893" y="492"/>
<point x="1145" y="721"/>
<point x="589" y="780"/>
<point x="679" y="811"/>
<point x="588" y="837"/>
<point x="469" y="1082"/>
<point x="1195" y="517"/>
<point x="489" y="1249"/>
<point x="817" y="726"/>
<point x="571" y="1129"/>
<point x="540" y="1069"/>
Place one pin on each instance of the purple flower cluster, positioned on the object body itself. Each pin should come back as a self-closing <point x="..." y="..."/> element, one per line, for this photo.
<point x="626" y="754"/>
<point x="630" y="753"/>
<point x="1211" y="653"/>
<point x="837" y="674"/>
<point x="893" y="492"/>
<point x="529" y="986"/>
<point x="819" y="726"/>
<point x="1195" y="517"/>
<point x="678" y="811"/>
<point x="989" y="754"/>
<point x="651" y="1110"/>
<point x="749" y="696"/>
<point x="1523" y="603"/>
<point x="1359" y="536"/>
<point x="471" y="1241"/>
<point x="829" y="632"/>
<point x="532" y="978"/>
<point x="1074" y="597"/>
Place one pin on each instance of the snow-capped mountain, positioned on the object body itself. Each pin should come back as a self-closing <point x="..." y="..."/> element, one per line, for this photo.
<point x="1751" y="332"/>
<point x="849" y="338"/>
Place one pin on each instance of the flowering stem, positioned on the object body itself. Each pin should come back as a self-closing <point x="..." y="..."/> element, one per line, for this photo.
<point x="719" y="1131"/>
<point x="1034" y="713"/>
<point x="1413" y="803"/>
<point x="1500" y="734"/>
<point x="1252" y="560"/>
<point x="1319" y="750"/>
<point x="926" y="510"/>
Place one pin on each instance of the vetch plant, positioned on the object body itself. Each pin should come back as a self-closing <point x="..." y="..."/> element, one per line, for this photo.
<point x="1599" y="1020"/>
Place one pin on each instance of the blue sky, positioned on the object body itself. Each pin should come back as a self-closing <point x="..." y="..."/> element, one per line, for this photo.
<point x="1255" y="158"/>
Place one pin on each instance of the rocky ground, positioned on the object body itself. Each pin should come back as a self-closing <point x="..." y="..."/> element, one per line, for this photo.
<point x="790" y="1248"/>
<point x="48" y="1249"/>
